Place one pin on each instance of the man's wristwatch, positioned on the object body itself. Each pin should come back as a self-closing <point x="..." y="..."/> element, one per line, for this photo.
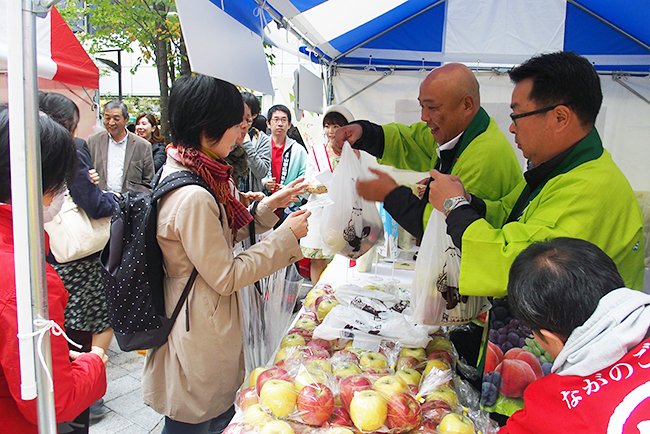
<point x="451" y="203"/>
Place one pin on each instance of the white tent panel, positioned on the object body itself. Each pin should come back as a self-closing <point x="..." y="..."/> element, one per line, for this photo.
<point x="512" y="27"/>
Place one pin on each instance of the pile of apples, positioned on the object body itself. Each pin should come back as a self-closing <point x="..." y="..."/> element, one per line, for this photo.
<point x="338" y="389"/>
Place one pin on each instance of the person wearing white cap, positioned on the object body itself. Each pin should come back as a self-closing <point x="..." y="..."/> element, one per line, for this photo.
<point x="321" y="159"/>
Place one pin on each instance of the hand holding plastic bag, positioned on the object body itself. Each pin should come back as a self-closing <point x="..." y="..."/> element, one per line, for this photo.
<point x="351" y="225"/>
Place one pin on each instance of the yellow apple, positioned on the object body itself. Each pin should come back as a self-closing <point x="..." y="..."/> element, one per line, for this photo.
<point x="368" y="410"/>
<point x="306" y="323"/>
<point x="418" y="353"/>
<point x="252" y="380"/>
<point x="279" y="396"/>
<point x="455" y="423"/>
<point x="339" y="430"/>
<point x="372" y="359"/>
<point x="309" y="377"/>
<point x="254" y="415"/>
<point x="436" y="363"/>
<point x="439" y="343"/>
<point x="286" y="353"/>
<point x="319" y="365"/>
<point x="346" y="369"/>
<point x="277" y="427"/>
<point x="410" y="376"/>
<point x="444" y="393"/>
<point x="292" y="340"/>
<point x="325" y="306"/>
<point x="349" y="347"/>
<point x="389" y="385"/>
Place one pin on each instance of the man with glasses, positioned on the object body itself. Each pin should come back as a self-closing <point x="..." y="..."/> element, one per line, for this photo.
<point x="288" y="157"/>
<point x="573" y="188"/>
<point x="456" y="136"/>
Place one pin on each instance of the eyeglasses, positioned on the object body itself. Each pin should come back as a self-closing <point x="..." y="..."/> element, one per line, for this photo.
<point x="280" y="120"/>
<point x="514" y="117"/>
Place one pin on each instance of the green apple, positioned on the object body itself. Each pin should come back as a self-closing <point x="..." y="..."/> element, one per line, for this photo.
<point x="277" y="427"/>
<point x="254" y="415"/>
<point x="292" y="340"/>
<point x="455" y="423"/>
<point x="372" y="359"/>
<point x="368" y="410"/>
<point x="444" y="393"/>
<point x="279" y="396"/>
<point x="306" y="323"/>
<point x="418" y="353"/>
<point x="252" y="380"/>
<point x="389" y="385"/>
<point x="346" y="369"/>
<point x="410" y="376"/>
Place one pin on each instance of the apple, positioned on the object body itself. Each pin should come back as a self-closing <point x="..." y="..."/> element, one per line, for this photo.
<point x="389" y="385"/>
<point x="351" y="385"/>
<point x="312" y="353"/>
<point x="306" y="334"/>
<point x="277" y="427"/>
<point x="440" y="343"/>
<point x="455" y="423"/>
<point x="435" y="363"/>
<point x="409" y="362"/>
<point x="270" y="374"/>
<point x="254" y="415"/>
<point x="410" y="376"/>
<point x="252" y="380"/>
<point x="307" y="377"/>
<point x="339" y="430"/>
<point x="352" y="349"/>
<point x="324" y="306"/>
<point x="315" y="403"/>
<point x="441" y="355"/>
<point x="292" y="340"/>
<point x="339" y="417"/>
<point x="324" y="286"/>
<point x="247" y="397"/>
<point x="319" y="365"/>
<point x="433" y="411"/>
<point x="279" y="396"/>
<point x="312" y="296"/>
<point x="403" y="412"/>
<point x="308" y="314"/>
<point x="444" y="393"/>
<point x="368" y="410"/>
<point x="320" y="343"/>
<point x="308" y="324"/>
<point x="372" y="359"/>
<point x="346" y="369"/>
<point x="344" y="356"/>
<point x="414" y="389"/>
<point x="418" y="353"/>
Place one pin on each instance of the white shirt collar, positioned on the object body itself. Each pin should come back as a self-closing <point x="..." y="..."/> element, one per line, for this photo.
<point x="449" y="145"/>
<point x="121" y="142"/>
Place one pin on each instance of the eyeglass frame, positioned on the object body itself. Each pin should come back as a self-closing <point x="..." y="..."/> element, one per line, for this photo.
<point x="278" y="120"/>
<point x="514" y="117"/>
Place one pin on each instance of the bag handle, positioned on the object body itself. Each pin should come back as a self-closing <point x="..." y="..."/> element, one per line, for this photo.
<point x="251" y="233"/>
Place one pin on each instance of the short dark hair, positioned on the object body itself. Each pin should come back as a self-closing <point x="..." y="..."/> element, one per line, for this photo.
<point x="334" y="118"/>
<point x="200" y="104"/>
<point x="116" y="103"/>
<point x="557" y="284"/>
<point x="560" y="78"/>
<point x="58" y="155"/>
<point x="278" y="108"/>
<point x="60" y="108"/>
<point x="252" y="102"/>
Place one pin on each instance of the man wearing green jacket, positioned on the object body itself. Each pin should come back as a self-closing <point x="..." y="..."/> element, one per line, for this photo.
<point x="573" y="188"/>
<point x="456" y="137"/>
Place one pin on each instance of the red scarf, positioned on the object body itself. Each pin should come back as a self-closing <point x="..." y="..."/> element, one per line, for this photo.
<point x="218" y="176"/>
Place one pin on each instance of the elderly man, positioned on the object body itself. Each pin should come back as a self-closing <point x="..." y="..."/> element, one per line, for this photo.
<point x="456" y="137"/>
<point x="572" y="189"/>
<point x="570" y="294"/>
<point x="122" y="159"/>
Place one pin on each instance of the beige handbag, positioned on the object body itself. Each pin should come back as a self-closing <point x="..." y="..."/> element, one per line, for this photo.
<point x="74" y="235"/>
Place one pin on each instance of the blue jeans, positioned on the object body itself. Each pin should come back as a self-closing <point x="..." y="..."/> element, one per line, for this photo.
<point x="212" y="426"/>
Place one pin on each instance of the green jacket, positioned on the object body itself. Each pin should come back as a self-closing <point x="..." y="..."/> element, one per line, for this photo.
<point x="487" y="164"/>
<point x="586" y="197"/>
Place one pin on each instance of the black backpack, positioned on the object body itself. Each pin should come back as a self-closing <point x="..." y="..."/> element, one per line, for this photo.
<point x="132" y="267"/>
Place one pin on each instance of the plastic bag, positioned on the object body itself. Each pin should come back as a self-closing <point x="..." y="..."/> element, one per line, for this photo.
<point x="351" y="225"/>
<point x="435" y="299"/>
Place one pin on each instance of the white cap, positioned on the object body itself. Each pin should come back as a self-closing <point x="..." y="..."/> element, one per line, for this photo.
<point x="340" y="110"/>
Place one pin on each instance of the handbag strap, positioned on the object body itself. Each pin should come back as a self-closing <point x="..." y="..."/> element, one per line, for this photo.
<point x="251" y="233"/>
<point x="179" y="304"/>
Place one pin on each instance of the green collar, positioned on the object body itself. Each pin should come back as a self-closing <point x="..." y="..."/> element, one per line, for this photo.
<point x="477" y="127"/>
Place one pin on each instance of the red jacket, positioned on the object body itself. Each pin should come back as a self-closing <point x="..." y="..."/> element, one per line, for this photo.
<point x="77" y="384"/>
<point x="613" y="400"/>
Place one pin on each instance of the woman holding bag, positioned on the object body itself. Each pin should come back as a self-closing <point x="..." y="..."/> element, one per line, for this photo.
<point x="192" y="378"/>
<point x="86" y="317"/>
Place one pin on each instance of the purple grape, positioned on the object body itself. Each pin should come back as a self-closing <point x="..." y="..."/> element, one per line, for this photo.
<point x="502" y="338"/>
<point x="497" y="325"/>
<point x="522" y="342"/>
<point x="514" y="322"/>
<point x="546" y="368"/>
<point x="489" y="394"/>
<point x="493" y="335"/>
<point x="513" y="338"/>
<point x="506" y="346"/>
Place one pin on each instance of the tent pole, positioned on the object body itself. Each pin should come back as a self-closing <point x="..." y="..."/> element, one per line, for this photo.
<point x="384" y="75"/>
<point x="29" y="243"/>
<point x="618" y="78"/>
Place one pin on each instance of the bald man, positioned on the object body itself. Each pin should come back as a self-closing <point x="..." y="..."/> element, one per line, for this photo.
<point x="456" y="137"/>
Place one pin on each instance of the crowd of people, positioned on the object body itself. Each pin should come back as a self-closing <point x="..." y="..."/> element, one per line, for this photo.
<point x="563" y="241"/>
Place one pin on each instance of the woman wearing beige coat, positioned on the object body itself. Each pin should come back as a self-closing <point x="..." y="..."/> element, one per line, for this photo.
<point x="192" y="379"/>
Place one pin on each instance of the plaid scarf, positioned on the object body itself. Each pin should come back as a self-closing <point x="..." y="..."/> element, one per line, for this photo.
<point x="218" y="176"/>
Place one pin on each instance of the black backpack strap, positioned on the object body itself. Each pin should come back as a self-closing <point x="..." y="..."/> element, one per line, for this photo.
<point x="186" y="292"/>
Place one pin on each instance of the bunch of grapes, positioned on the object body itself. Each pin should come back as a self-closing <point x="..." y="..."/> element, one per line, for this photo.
<point x="533" y="347"/>
<point x="492" y="382"/>
<point x="506" y="331"/>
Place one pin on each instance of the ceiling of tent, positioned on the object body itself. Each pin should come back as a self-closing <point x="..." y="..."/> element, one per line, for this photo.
<point x="615" y="36"/>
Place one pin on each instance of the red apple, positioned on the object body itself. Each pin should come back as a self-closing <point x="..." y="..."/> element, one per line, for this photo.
<point x="271" y="374"/>
<point x="403" y="412"/>
<point x="320" y="343"/>
<point x="344" y="356"/>
<point x="339" y="417"/>
<point x="440" y="355"/>
<point x="306" y="334"/>
<point x="247" y="397"/>
<point x="407" y="362"/>
<point x="315" y="403"/>
<point x="351" y="385"/>
<point x="311" y="353"/>
<point x="433" y="411"/>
